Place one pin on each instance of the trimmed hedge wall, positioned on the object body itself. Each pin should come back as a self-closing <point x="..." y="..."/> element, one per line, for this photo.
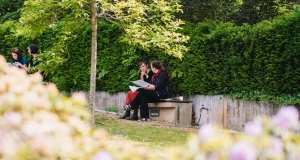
<point x="252" y="62"/>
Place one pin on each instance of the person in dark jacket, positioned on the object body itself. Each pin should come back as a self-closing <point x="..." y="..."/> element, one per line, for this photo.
<point x="159" y="89"/>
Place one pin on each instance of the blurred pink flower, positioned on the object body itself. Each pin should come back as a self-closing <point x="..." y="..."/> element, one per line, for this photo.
<point x="102" y="155"/>
<point x="44" y="145"/>
<point x="30" y="128"/>
<point x="293" y="157"/>
<point x="253" y="128"/>
<point x="206" y="132"/>
<point x="242" y="151"/>
<point x="287" y="117"/>
<point x="277" y="145"/>
<point x="12" y="118"/>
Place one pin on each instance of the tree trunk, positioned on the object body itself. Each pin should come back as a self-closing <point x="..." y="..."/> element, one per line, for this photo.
<point x="93" y="60"/>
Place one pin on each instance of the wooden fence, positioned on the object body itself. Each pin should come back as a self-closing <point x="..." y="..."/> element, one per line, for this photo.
<point x="226" y="112"/>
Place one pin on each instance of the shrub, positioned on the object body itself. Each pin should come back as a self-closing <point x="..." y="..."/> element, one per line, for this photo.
<point x="37" y="122"/>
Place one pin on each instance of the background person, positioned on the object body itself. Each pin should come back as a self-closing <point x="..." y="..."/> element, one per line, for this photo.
<point x="159" y="89"/>
<point x="146" y="75"/>
<point x="33" y="51"/>
<point x="17" y="59"/>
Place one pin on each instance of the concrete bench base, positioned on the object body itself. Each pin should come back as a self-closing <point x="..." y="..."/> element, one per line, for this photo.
<point x="174" y="111"/>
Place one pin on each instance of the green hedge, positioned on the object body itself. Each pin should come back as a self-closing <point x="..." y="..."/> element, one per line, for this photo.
<point x="252" y="62"/>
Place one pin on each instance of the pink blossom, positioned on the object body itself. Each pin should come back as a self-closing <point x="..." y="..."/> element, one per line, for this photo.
<point x="253" y="128"/>
<point x="277" y="145"/>
<point x="206" y="132"/>
<point x="102" y="155"/>
<point x="44" y="145"/>
<point x="242" y="151"/>
<point x="12" y="118"/>
<point x="287" y="117"/>
<point x="30" y="128"/>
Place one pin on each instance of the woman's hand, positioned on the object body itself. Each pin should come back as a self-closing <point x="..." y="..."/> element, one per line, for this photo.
<point x="150" y="87"/>
<point x="143" y="73"/>
<point x="17" y="64"/>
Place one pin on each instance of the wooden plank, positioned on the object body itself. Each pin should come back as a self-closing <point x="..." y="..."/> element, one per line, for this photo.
<point x="163" y="104"/>
<point x="185" y="113"/>
<point x="237" y="111"/>
<point x="203" y="101"/>
<point x="173" y="100"/>
<point x="165" y="114"/>
<point x="177" y="113"/>
<point x="216" y="110"/>
<point x="239" y="118"/>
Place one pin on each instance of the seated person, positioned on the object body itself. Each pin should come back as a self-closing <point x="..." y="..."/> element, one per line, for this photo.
<point x="159" y="89"/>
<point x="146" y="75"/>
<point x="17" y="59"/>
<point x="33" y="61"/>
<point x="33" y="51"/>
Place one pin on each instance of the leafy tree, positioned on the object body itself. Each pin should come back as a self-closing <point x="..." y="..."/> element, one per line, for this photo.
<point x="149" y="24"/>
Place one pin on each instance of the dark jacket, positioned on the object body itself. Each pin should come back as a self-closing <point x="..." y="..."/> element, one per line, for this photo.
<point x="161" y="84"/>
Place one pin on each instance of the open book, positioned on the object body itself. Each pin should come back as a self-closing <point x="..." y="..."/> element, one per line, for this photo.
<point x="140" y="83"/>
<point x="134" y="88"/>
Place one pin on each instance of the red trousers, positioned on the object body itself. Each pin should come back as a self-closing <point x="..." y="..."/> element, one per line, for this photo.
<point x="130" y="96"/>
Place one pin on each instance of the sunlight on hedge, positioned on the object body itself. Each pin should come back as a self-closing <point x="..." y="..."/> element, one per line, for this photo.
<point x="37" y="122"/>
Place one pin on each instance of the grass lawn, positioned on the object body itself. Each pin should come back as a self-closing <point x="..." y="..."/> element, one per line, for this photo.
<point x="152" y="135"/>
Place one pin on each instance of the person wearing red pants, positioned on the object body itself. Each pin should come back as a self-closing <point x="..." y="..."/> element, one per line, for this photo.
<point x="146" y="75"/>
<point x="158" y="89"/>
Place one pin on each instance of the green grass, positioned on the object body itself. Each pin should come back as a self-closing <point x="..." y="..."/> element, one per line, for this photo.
<point x="112" y="109"/>
<point x="143" y="133"/>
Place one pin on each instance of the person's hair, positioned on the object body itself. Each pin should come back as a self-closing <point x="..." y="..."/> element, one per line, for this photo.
<point x="18" y="52"/>
<point x="33" y="48"/>
<point x="143" y="61"/>
<point x="159" y="65"/>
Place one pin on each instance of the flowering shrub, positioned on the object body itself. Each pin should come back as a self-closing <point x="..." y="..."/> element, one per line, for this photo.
<point x="39" y="123"/>
<point x="265" y="138"/>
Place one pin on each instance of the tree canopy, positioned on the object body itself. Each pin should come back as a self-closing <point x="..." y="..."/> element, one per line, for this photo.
<point x="148" y="24"/>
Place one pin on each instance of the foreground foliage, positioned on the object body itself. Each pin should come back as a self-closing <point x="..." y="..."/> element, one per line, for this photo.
<point x="264" y="138"/>
<point x="37" y="122"/>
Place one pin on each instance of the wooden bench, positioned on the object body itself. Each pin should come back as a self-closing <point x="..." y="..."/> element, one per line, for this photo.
<point x="174" y="111"/>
